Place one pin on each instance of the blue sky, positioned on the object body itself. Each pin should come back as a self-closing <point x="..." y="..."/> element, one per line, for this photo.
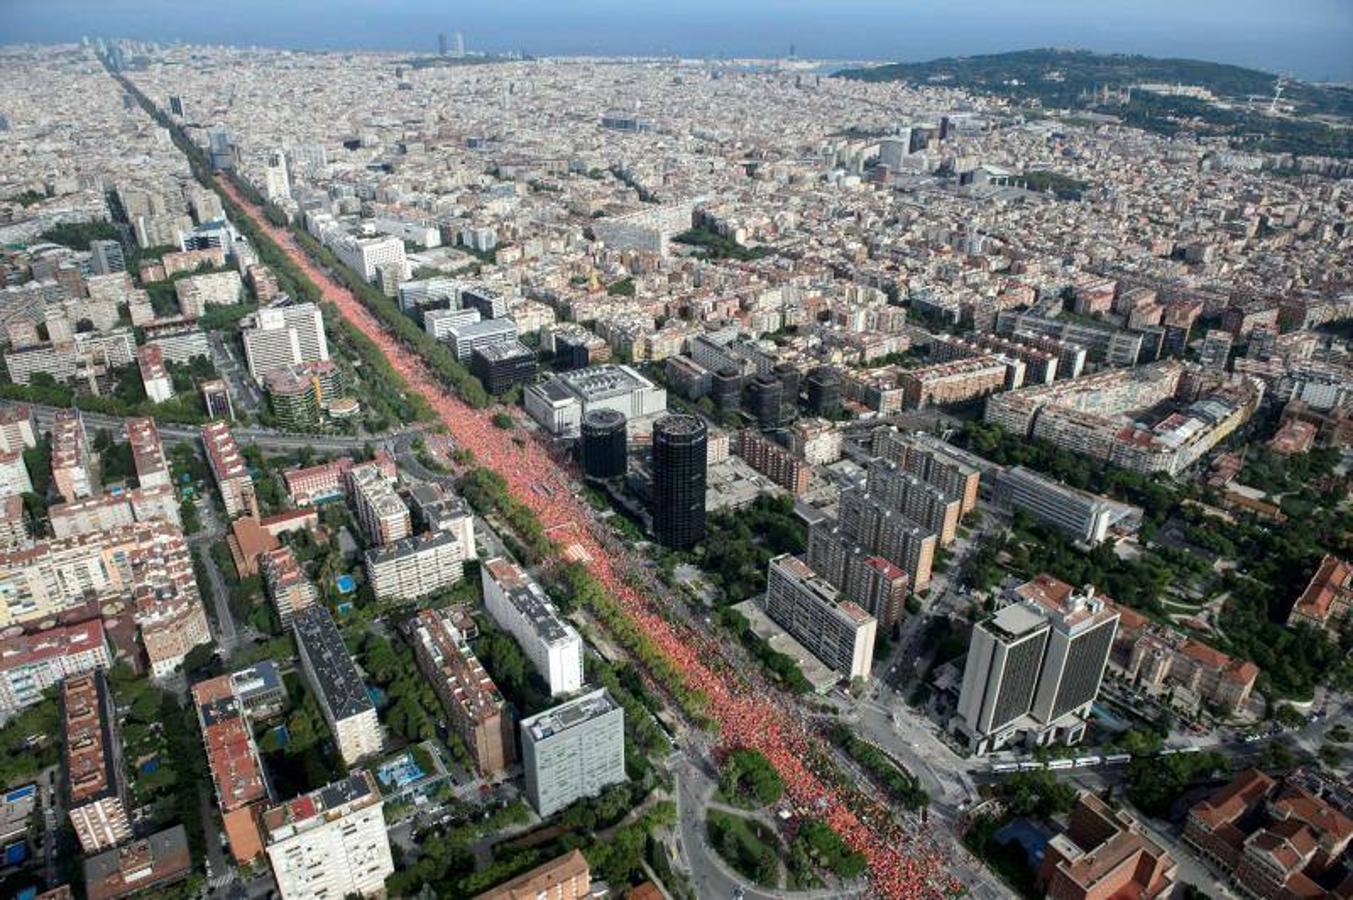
<point x="1312" y="39"/>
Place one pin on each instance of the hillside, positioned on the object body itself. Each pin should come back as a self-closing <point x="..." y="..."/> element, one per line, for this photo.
<point x="1075" y="79"/>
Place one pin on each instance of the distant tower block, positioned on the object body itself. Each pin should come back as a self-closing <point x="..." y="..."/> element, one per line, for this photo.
<point x="441" y="45"/>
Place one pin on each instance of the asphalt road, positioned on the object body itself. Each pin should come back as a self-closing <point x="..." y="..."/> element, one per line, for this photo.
<point x="267" y="438"/>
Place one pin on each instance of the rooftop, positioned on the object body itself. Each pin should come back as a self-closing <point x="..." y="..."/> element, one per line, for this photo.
<point x="341" y="684"/>
<point x="356" y="791"/>
<point x="530" y="598"/>
<point x="568" y="715"/>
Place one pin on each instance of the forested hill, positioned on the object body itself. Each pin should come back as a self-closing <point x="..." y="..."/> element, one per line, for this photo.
<point x="1074" y="78"/>
<point x="1059" y="77"/>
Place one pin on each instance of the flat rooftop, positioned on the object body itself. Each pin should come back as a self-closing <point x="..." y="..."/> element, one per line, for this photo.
<point x="568" y="715"/>
<point x="821" y="677"/>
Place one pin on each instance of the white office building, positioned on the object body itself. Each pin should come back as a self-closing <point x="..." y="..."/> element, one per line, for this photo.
<point x="442" y="323"/>
<point x="466" y="338"/>
<point x="521" y="607"/>
<point x="365" y="256"/>
<point x="572" y="751"/>
<point x="559" y="402"/>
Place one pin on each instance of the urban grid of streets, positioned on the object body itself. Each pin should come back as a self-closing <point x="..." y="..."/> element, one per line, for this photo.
<point x="838" y="231"/>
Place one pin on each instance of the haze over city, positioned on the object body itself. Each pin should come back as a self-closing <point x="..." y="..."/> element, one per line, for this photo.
<point x="1307" y="38"/>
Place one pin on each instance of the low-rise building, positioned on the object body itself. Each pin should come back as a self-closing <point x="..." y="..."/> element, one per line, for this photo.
<point x="1328" y="597"/>
<point x="236" y="770"/>
<point x="1159" y="659"/>
<point x="1274" y="839"/>
<point x="564" y="878"/>
<point x="143" y="866"/>
<point x="1104" y="853"/>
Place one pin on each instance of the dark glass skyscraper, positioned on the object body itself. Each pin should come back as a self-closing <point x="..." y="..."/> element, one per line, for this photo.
<point x="603" y="443"/>
<point x="679" y="461"/>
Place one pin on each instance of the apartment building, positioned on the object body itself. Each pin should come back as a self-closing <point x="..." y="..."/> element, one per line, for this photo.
<point x="817" y="441"/>
<point x="146" y="565"/>
<point x="415" y="567"/>
<point x="566" y="877"/>
<point x="476" y="710"/>
<point x="152" y="469"/>
<point x="957" y="381"/>
<point x="108" y="511"/>
<point x="228" y="468"/>
<point x="197" y="292"/>
<point x="835" y="630"/>
<point x="72" y="463"/>
<point x="279" y="337"/>
<point x="141" y="867"/>
<point x="437" y="510"/>
<point x="18" y="428"/>
<point x="331" y="842"/>
<point x="336" y="684"/>
<point x="14" y="480"/>
<point x="1034" y="667"/>
<point x="881" y="530"/>
<point x="84" y="356"/>
<point x="775" y="462"/>
<point x="32" y="663"/>
<point x="14" y="534"/>
<point x="383" y="515"/>
<point x="932" y="460"/>
<point x="236" y="771"/>
<point x="915" y="498"/>
<point x="1102" y="343"/>
<point x="573" y="750"/>
<point x="950" y="348"/>
<point x="288" y="587"/>
<point x="520" y="606"/>
<point x="96" y="785"/>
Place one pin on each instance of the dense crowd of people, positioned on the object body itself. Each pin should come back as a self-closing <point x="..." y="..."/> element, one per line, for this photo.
<point x="901" y="864"/>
